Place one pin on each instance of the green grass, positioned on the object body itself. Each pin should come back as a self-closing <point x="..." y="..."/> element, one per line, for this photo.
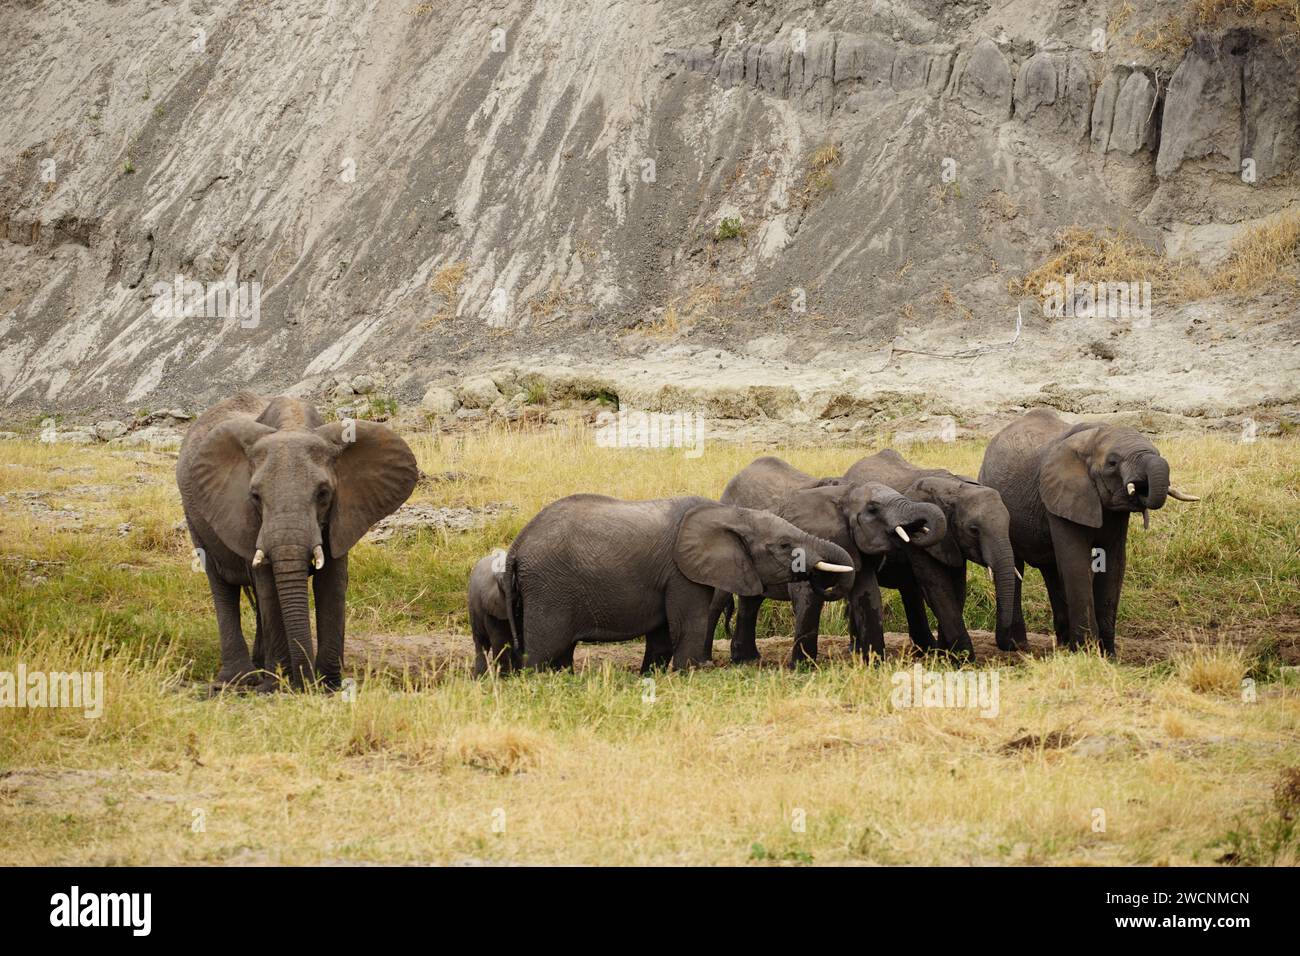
<point x="414" y="767"/>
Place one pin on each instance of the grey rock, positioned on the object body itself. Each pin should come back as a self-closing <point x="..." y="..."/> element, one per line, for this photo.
<point x="108" y="430"/>
<point x="1103" y="108"/>
<point x="1272" y="134"/>
<point x="866" y="59"/>
<point x="984" y="81"/>
<point x="1134" y="124"/>
<point x="363" y="384"/>
<point x="439" y="400"/>
<point x="153" y="436"/>
<point x="1203" y="109"/>
<point x="910" y="70"/>
<point x="479" y="392"/>
<point x="1054" y="92"/>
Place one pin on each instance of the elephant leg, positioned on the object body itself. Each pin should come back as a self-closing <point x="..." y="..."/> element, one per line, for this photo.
<point x="807" y="621"/>
<point x="658" y="649"/>
<point x="918" y="624"/>
<point x="744" y="639"/>
<point x="1106" y="586"/>
<point x="866" y="618"/>
<point x="236" y="666"/>
<point x="721" y="603"/>
<point x="1060" y="609"/>
<point x="945" y="591"/>
<point x="564" y="660"/>
<point x="960" y="640"/>
<point x="1072" y="546"/>
<point x="547" y="634"/>
<point x="330" y="587"/>
<point x="501" y="648"/>
<point x="482" y="644"/>
<point x="1017" y="636"/>
<point x="687" y="607"/>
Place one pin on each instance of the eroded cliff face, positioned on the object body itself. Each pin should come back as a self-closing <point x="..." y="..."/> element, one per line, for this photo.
<point x="419" y="188"/>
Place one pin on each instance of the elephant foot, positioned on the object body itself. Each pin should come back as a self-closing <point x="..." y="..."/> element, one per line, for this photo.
<point x="744" y="655"/>
<point x="237" y="674"/>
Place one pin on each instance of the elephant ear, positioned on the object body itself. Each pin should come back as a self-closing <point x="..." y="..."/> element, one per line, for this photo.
<point x="821" y="511"/>
<point x="375" y="472"/>
<point x="937" y="492"/>
<point x="1064" y="483"/>
<point x="218" y="483"/>
<point x="711" y="549"/>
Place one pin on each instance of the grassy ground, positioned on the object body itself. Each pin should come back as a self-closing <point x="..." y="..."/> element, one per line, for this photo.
<point x="1160" y="757"/>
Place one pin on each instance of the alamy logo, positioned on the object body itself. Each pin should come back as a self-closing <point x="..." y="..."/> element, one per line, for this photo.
<point x="1099" y="300"/>
<point x="188" y="298"/>
<point x="651" y="430"/>
<point x="103" y="909"/>
<point x="31" y="689"/>
<point x="952" y="689"/>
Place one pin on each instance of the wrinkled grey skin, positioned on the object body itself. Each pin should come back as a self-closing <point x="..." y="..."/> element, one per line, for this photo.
<point x="270" y="475"/>
<point x="488" y="621"/>
<point x="860" y="518"/>
<point x="978" y="530"/>
<point x="592" y="568"/>
<point x="1067" y="490"/>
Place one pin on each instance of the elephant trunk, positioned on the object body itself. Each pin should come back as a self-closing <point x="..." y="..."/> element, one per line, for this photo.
<point x="923" y="523"/>
<point x="1157" y="474"/>
<point x="998" y="556"/>
<point x="829" y="585"/>
<point x="289" y="565"/>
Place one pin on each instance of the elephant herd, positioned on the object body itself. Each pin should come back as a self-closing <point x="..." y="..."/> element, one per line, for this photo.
<point x="274" y="496"/>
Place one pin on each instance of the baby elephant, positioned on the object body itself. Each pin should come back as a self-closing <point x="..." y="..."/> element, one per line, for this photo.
<point x="488" y="621"/>
<point x="592" y="568"/>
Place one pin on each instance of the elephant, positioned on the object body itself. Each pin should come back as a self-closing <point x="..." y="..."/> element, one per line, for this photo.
<point x="593" y="568"/>
<point x="1070" y="490"/>
<point x="489" y="624"/>
<point x="868" y="520"/>
<point x="273" y="495"/>
<point x="978" y="530"/>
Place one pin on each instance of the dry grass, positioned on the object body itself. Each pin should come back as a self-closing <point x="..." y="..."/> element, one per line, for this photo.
<point x="1265" y="254"/>
<point x="445" y="284"/>
<point x="582" y="768"/>
<point x="1173" y="35"/>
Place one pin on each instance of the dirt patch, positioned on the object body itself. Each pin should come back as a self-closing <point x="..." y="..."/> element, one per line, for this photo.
<point x="441" y="651"/>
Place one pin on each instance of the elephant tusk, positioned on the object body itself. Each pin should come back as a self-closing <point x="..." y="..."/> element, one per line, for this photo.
<point x="318" y="557"/>
<point x="833" y="568"/>
<point x="988" y="572"/>
<point x="1180" y="496"/>
<point x="258" y="558"/>
<point x="1019" y="576"/>
<point x="903" y="534"/>
<point x="1132" y="488"/>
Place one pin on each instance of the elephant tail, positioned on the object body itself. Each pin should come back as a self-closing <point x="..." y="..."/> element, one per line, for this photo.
<point x="727" y="610"/>
<point x="514" y="607"/>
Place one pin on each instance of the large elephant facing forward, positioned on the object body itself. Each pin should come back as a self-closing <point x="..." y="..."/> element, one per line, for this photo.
<point x="871" y="522"/>
<point x="1070" y="491"/>
<point x="592" y="568"/>
<point x="272" y="496"/>
<point x="978" y="530"/>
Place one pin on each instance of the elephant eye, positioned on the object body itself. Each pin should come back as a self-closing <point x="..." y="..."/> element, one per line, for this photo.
<point x="323" y="493"/>
<point x="257" y="498"/>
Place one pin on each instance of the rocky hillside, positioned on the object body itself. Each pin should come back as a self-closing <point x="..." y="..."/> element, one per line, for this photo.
<point x="663" y="199"/>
